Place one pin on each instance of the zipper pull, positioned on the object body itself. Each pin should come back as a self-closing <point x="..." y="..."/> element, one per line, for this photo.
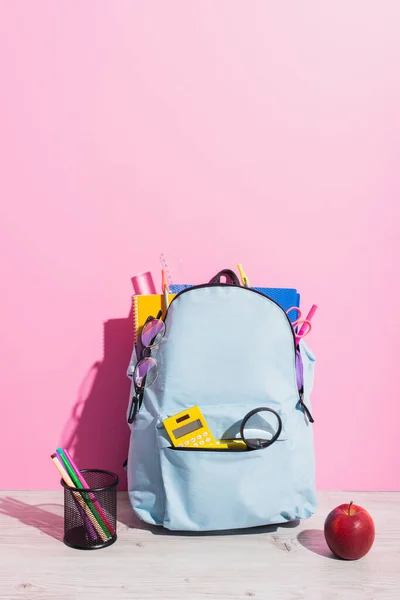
<point x="305" y="409"/>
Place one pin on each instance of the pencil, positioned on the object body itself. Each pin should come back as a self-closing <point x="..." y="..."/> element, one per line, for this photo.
<point x="89" y="526"/>
<point x="67" y="480"/>
<point x="165" y="300"/>
<point x="165" y="289"/>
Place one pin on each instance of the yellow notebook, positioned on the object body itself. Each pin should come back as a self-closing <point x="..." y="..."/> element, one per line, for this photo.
<point x="145" y="305"/>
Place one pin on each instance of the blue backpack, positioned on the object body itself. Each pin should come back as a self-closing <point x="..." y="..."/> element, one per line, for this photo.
<point x="230" y="351"/>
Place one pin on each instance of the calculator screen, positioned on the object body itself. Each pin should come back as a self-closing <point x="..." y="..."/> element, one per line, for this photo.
<point x="185" y="429"/>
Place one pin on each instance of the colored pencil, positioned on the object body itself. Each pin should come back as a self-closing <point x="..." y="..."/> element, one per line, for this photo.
<point x="89" y="526"/>
<point x="91" y="495"/>
<point x="165" y="290"/>
<point x="77" y="484"/>
<point x="66" y="478"/>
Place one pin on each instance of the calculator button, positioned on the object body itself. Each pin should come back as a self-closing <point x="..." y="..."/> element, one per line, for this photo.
<point x="205" y="434"/>
<point x="180" y="445"/>
<point x="193" y="440"/>
<point x="199" y="437"/>
<point x="196" y="445"/>
<point x="186" y="443"/>
<point x="201" y="443"/>
<point x="208" y="439"/>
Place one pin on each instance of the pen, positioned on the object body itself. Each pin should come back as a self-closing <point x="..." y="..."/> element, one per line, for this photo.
<point x="165" y="289"/>
<point x="243" y="276"/>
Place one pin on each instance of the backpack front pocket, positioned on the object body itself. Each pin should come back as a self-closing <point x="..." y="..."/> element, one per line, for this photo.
<point x="211" y="490"/>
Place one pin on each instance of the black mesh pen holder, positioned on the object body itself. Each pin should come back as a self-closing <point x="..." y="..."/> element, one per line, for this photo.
<point x="90" y="515"/>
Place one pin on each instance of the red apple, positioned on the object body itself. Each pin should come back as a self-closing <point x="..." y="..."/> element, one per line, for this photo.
<point x="349" y="531"/>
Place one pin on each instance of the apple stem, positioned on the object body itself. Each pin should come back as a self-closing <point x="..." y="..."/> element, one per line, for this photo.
<point x="350" y="507"/>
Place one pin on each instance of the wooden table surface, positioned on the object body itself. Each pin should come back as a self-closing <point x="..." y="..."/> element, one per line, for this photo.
<point x="145" y="563"/>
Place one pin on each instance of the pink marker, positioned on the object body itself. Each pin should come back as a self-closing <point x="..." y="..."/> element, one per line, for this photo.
<point x="91" y="496"/>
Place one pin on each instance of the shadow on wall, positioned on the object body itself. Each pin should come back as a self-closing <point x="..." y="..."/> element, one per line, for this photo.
<point x="97" y="434"/>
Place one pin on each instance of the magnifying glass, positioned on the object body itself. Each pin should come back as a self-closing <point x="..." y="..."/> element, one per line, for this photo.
<point x="259" y="430"/>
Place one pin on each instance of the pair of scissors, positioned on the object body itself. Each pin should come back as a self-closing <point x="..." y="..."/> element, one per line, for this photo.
<point x="302" y="327"/>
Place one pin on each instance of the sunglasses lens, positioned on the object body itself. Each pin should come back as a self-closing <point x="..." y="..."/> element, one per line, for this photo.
<point x="153" y="332"/>
<point x="145" y="372"/>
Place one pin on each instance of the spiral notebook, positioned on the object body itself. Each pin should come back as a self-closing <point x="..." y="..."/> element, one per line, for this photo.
<point x="144" y="306"/>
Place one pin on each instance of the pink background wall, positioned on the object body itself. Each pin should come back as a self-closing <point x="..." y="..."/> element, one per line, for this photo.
<point x="266" y="133"/>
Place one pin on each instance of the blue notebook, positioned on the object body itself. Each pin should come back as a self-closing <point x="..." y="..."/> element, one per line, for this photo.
<point x="285" y="297"/>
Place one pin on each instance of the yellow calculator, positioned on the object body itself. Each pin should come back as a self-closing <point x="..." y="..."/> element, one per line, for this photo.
<point x="189" y="429"/>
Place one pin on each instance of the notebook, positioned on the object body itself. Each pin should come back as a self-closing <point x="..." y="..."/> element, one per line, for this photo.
<point x="145" y="305"/>
<point x="285" y="297"/>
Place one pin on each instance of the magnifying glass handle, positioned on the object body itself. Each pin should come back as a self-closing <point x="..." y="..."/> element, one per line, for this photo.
<point x="256" y="443"/>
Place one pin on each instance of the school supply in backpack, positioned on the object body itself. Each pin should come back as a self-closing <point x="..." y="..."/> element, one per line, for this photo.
<point x="145" y="305"/>
<point x="285" y="297"/>
<point x="164" y="267"/>
<point x="308" y="318"/>
<point x="165" y="290"/>
<point x="189" y="429"/>
<point x="243" y="276"/>
<point x="302" y="327"/>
